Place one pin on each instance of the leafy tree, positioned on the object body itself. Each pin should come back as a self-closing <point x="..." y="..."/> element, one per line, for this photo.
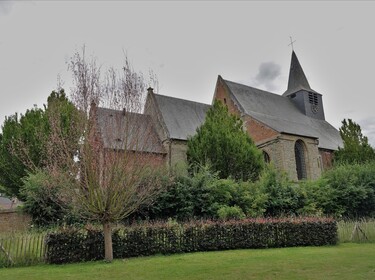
<point x="356" y="147"/>
<point x="21" y="148"/>
<point x="28" y="142"/>
<point x="222" y="143"/>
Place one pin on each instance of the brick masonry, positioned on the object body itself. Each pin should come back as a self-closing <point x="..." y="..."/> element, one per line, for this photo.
<point x="13" y="221"/>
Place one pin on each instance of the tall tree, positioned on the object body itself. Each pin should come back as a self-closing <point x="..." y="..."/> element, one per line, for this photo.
<point x="222" y="143"/>
<point x="28" y="142"/>
<point x="356" y="147"/>
<point x="116" y="171"/>
<point x="21" y="148"/>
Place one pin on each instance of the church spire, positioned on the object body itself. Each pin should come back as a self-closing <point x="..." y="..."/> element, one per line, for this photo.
<point x="297" y="79"/>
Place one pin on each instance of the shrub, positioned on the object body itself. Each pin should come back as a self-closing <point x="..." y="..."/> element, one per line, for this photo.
<point x="346" y="190"/>
<point x="230" y="212"/>
<point x="167" y="238"/>
<point x="283" y="196"/>
<point x="43" y="200"/>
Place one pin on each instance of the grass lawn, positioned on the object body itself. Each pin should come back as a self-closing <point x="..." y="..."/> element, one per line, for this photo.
<point x="345" y="261"/>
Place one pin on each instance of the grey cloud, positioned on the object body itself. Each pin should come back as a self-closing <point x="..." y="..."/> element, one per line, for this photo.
<point x="268" y="73"/>
<point x="5" y="7"/>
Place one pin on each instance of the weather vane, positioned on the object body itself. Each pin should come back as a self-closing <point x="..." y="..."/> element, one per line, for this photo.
<point x="291" y="42"/>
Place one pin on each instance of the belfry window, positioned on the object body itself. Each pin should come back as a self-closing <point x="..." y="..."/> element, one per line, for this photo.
<point x="313" y="98"/>
<point x="299" y="151"/>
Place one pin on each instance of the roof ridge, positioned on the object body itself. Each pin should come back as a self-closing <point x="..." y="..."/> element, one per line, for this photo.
<point x="258" y="89"/>
<point x="185" y="100"/>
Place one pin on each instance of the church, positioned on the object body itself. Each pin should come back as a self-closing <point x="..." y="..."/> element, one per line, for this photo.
<point x="290" y="129"/>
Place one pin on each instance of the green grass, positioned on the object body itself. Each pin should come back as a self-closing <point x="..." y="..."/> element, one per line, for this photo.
<point x="345" y="261"/>
<point x="364" y="232"/>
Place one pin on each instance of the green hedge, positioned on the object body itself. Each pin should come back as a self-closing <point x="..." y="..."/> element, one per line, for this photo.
<point x="75" y="245"/>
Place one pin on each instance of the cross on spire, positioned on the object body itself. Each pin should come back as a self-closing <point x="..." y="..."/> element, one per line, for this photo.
<point x="291" y="42"/>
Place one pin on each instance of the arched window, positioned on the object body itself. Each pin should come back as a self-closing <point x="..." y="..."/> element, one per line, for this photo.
<point x="266" y="157"/>
<point x="299" y="152"/>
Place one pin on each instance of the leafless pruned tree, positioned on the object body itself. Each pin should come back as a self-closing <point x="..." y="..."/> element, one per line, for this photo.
<point x="121" y="160"/>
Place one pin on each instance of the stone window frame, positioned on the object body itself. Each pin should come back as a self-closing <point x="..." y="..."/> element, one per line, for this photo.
<point x="266" y="156"/>
<point x="300" y="159"/>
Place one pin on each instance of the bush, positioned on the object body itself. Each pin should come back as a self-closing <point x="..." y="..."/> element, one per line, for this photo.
<point x="283" y="196"/>
<point x="167" y="238"/>
<point x="230" y="212"/>
<point x="43" y="199"/>
<point x="201" y="196"/>
<point x="346" y="190"/>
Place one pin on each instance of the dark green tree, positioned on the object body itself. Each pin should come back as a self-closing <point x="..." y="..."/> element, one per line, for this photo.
<point x="29" y="142"/>
<point x="21" y="148"/>
<point x="356" y="147"/>
<point x="222" y="143"/>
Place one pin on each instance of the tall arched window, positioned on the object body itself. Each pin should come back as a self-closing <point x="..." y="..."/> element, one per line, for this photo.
<point x="299" y="151"/>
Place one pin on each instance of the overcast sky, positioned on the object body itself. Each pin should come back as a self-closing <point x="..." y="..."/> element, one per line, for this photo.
<point x="188" y="44"/>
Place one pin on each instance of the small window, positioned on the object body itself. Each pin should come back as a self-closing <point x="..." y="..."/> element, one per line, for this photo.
<point x="225" y="101"/>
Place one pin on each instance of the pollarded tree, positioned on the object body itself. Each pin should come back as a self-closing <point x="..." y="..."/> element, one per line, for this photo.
<point x="222" y="143"/>
<point x="119" y="168"/>
<point x="356" y="147"/>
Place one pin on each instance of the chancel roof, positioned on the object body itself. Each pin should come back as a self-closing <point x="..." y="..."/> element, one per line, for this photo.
<point x="181" y="117"/>
<point x="279" y="113"/>
<point x="122" y="130"/>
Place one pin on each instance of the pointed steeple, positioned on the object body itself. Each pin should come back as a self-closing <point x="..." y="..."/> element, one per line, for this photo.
<point x="297" y="79"/>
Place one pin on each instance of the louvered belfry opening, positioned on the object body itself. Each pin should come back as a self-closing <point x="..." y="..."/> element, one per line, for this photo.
<point x="299" y="152"/>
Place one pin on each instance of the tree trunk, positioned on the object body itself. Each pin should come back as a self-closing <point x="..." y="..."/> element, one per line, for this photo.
<point x="108" y="250"/>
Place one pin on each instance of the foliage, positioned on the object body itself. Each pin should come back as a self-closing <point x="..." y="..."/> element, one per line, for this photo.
<point x="230" y="212"/>
<point x="283" y="196"/>
<point x="82" y="245"/>
<point x="28" y="142"/>
<point x="14" y="164"/>
<point x="347" y="190"/>
<point x="356" y="147"/>
<point x="222" y="143"/>
<point x="43" y="199"/>
<point x="202" y="195"/>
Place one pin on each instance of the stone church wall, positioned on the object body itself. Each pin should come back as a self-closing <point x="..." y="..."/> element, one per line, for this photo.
<point x="178" y="152"/>
<point x="312" y="156"/>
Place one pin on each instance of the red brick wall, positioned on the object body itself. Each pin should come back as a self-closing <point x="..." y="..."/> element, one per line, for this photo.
<point x="257" y="131"/>
<point x="11" y="221"/>
<point x="327" y="158"/>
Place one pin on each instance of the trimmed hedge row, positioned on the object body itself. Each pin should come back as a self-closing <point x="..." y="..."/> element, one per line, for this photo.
<point x="74" y="245"/>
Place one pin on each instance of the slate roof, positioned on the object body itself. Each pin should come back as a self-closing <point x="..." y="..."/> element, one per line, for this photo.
<point x="297" y="79"/>
<point x="135" y="132"/>
<point x="181" y="117"/>
<point x="279" y="113"/>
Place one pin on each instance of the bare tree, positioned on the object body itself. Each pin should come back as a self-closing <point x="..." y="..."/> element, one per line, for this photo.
<point x="121" y="159"/>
